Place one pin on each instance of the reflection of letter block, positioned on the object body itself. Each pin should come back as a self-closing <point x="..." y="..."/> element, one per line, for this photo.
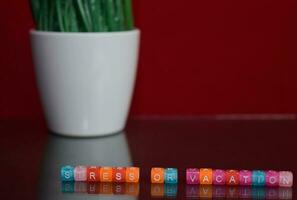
<point x="218" y="177"/>
<point x="157" y="175"/>
<point x="67" y="173"/>
<point x="205" y="191"/>
<point x="80" y="173"/>
<point x="132" y="174"/>
<point x="258" y="178"/>
<point x="272" y="178"/>
<point x="218" y="191"/>
<point x="232" y="177"/>
<point x="285" y="193"/>
<point x="192" y="191"/>
<point x="258" y="192"/>
<point x="205" y="176"/>
<point x="80" y="187"/>
<point x="106" y="174"/>
<point x="68" y="187"/>
<point x="285" y="179"/>
<point x="157" y="190"/>
<point x="132" y="189"/>
<point x="232" y="192"/>
<point x="170" y="190"/>
<point x="119" y="174"/>
<point x="119" y="188"/>
<point x="93" y="188"/>
<point x="171" y="176"/>
<point x="245" y="192"/>
<point x="245" y="177"/>
<point x="193" y="176"/>
<point x="93" y="174"/>
<point x="271" y="193"/>
<point x="105" y="188"/>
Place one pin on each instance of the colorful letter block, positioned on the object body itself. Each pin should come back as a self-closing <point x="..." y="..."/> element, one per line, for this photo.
<point x="171" y="176"/>
<point x="285" y="179"/>
<point x="245" y="178"/>
<point x="106" y="174"/>
<point x="132" y="174"/>
<point x="119" y="174"/>
<point x="80" y="173"/>
<point x="192" y="176"/>
<point x="272" y="178"/>
<point x="205" y="176"/>
<point x="218" y="177"/>
<point x="258" y="178"/>
<point x="157" y="175"/>
<point x="93" y="174"/>
<point x="170" y="190"/>
<point x="232" y="177"/>
<point x="67" y="173"/>
<point x="205" y="191"/>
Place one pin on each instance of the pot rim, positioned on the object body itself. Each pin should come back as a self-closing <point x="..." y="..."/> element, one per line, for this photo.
<point x="89" y="34"/>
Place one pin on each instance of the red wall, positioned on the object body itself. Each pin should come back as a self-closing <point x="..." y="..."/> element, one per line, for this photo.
<point x="197" y="57"/>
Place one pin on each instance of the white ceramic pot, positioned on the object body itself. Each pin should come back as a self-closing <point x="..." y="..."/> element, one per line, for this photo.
<point x="85" y="80"/>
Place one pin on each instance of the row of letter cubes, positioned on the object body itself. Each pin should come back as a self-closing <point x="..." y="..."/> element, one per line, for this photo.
<point x="100" y="174"/>
<point x="206" y="176"/>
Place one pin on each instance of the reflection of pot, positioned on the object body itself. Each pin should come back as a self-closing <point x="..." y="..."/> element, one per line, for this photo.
<point x="104" y="151"/>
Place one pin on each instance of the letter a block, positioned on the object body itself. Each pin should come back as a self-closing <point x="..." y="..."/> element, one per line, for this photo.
<point x="205" y="176"/>
<point x="232" y="177"/>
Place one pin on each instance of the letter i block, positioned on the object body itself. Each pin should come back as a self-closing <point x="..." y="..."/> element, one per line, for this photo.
<point x="93" y="174"/>
<point x="119" y="174"/>
<point x="258" y="178"/>
<point x="205" y="176"/>
<point x="157" y="175"/>
<point x="132" y="174"/>
<point x="80" y="173"/>
<point x="67" y="173"/>
<point x="218" y="177"/>
<point x="106" y="174"/>
<point x="193" y="176"/>
<point x="285" y="179"/>
<point x="171" y="176"/>
<point x="272" y="178"/>
<point x="232" y="177"/>
<point x="245" y="178"/>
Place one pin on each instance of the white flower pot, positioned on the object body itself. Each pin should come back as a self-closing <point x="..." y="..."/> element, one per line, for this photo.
<point x="85" y="80"/>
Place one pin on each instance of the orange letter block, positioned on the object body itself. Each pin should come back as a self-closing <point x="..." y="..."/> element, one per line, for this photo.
<point x="157" y="175"/>
<point x="132" y="174"/>
<point x="205" y="176"/>
<point x="93" y="174"/>
<point x="106" y="174"/>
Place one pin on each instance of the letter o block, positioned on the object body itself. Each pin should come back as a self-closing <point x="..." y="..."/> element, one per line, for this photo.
<point x="67" y="173"/>
<point x="93" y="174"/>
<point x="106" y="174"/>
<point x="205" y="176"/>
<point x="132" y="174"/>
<point x="157" y="175"/>
<point x="272" y="178"/>
<point x="219" y="177"/>
<point x="232" y="177"/>
<point x="119" y="174"/>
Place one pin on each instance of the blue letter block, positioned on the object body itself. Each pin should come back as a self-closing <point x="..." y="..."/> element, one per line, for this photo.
<point x="171" y="175"/>
<point x="258" y="178"/>
<point x="67" y="173"/>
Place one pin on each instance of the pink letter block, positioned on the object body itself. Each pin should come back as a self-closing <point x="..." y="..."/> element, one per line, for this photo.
<point x="219" y="177"/>
<point x="285" y="179"/>
<point x="80" y="173"/>
<point x="272" y="178"/>
<point x="193" y="176"/>
<point x="245" y="177"/>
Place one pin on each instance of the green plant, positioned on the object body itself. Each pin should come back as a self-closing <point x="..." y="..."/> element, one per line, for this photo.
<point x="82" y="15"/>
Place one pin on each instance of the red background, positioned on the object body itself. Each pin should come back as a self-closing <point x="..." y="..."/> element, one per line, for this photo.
<point x="197" y="57"/>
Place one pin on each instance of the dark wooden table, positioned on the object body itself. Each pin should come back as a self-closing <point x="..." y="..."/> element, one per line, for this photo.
<point x="31" y="158"/>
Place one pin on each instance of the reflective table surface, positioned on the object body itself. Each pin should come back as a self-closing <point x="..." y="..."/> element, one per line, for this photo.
<point x="31" y="158"/>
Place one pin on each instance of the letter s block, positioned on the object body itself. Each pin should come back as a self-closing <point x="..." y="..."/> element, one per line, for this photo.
<point x="119" y="174"/>
<point x="67" y="173"/>
<point x="132" y="174"/>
